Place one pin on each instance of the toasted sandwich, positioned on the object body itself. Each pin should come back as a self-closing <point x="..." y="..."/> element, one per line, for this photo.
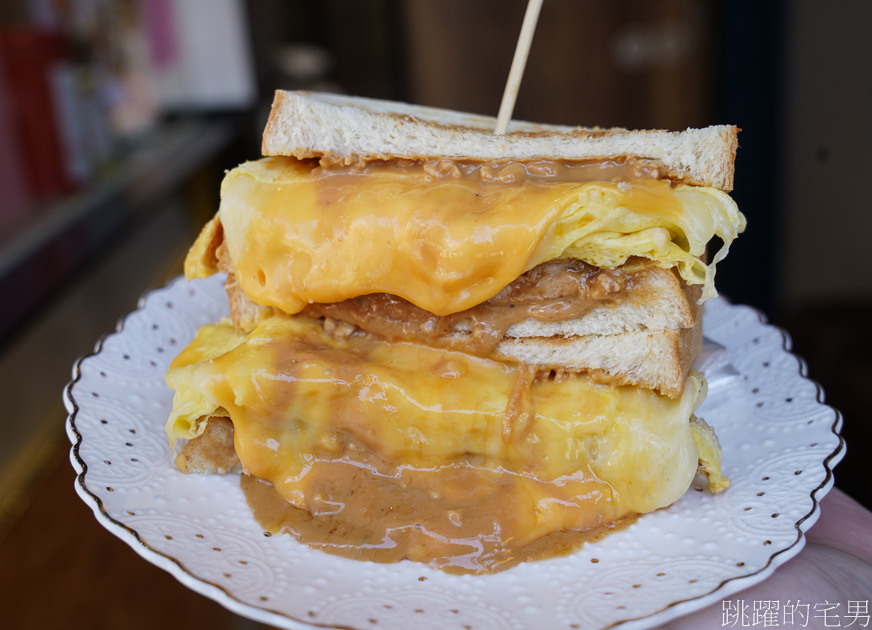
<point x="452" y="346"/>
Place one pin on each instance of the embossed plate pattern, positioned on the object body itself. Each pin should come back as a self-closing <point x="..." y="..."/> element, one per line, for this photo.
<point x="779" y="440"/>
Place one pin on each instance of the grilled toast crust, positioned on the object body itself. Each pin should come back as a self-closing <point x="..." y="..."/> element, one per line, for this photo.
<point x="350" y="129"/>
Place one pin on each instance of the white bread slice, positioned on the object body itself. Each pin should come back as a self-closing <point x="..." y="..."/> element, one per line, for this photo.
<point x="657" y="301"/>
<point x="350" y="129"/>
<point x="617" y="349"/>
<point x="657" y="305"/>
<point x="653" y="359"/>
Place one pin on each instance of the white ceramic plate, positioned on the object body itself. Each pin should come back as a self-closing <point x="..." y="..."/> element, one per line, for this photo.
<point x="780" y="444"/>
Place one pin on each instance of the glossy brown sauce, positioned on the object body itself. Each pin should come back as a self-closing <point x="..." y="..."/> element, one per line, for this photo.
<point x="458" y="519"/>
<point x="550" y="292"/>
<point x="617" y="169"/>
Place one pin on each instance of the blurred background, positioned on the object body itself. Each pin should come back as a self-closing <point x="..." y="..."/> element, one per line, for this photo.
<point x="119" y="117"/>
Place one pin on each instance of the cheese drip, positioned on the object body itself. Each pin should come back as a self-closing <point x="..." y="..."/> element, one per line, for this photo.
<point x="298" y="234"/>
<point x="297" y="396"/>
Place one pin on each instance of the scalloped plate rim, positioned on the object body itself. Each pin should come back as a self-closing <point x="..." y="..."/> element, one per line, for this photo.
<point x="669" y="612"/>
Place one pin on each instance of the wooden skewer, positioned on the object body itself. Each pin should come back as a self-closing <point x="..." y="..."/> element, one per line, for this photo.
<point x="518" y="63"/>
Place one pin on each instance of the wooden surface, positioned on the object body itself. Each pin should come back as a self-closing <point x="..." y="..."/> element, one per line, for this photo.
<point x="62" y="569"/>
<point x="59" y="568"/>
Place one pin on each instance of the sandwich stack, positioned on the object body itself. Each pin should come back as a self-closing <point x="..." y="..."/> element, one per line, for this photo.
<point x="451" y="346"/>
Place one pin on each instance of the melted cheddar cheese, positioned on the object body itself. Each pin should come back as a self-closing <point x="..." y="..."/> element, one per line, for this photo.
<point x="448" y="243"/>
<point x="581" y="454"/>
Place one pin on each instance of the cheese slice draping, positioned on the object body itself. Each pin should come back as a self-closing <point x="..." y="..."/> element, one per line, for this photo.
<point x="297" y="395"/>
<point x="297" y="234"/>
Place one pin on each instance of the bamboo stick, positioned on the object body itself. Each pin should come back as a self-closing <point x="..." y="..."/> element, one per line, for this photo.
<point x="513" y="83"/>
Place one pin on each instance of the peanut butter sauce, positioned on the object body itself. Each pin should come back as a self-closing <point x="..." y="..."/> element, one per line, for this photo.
<point x="549" y="292"/>
<point x="391" y="451"/>
<point x="617" y="169"/>
<point x="456" y="519"/>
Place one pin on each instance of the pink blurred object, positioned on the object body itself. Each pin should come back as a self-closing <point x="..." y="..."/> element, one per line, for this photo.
<point x="157" y="15"/>
<point x="29" y="56"/>
<point x="15" y="198"/>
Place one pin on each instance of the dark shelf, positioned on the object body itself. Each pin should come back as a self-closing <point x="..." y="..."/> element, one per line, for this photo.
<point x="49" y="249"/>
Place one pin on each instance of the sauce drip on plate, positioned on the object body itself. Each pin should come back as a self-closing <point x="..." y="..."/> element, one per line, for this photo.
<point x="459" y="520"/>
